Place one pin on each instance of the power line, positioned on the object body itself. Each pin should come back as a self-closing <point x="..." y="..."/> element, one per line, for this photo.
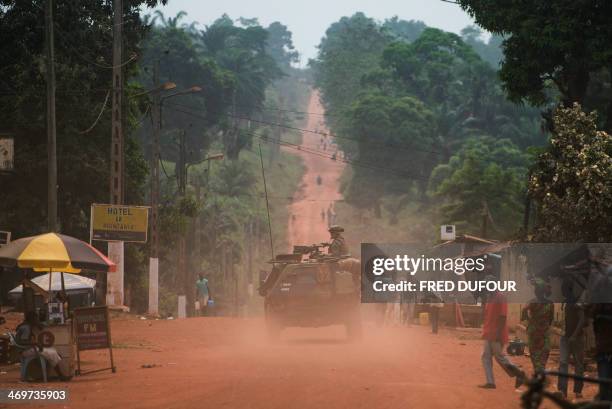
<point x="365" y="165"/>
<point x="381" y="144"/>
<point x="80" y="55"/>
<point x="99" y="116"/>
<point x="264" y="108"/>
<point x="320" y="153"/>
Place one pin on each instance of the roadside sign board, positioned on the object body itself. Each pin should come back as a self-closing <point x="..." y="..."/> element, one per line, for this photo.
<point x="7" y="153"/>
<point x="119" y="223"/>
<point x="91" y="325"/>
<point x="447" y="232"/>
<point x="92" y="330"/>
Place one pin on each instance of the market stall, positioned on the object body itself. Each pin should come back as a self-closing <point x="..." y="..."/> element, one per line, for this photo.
<point x="55" y="254"/>
<point x="80" y="290"/>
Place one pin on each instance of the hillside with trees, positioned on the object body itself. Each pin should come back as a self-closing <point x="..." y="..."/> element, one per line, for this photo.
<point x="432" y="109"/>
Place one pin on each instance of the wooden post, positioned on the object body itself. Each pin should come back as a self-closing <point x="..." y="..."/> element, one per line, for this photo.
<point x="115" y="283"/>
<point x="117" y="143"/>
<point x="51" y="124"/>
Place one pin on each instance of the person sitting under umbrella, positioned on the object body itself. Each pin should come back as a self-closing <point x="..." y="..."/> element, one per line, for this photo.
<point x="25" y="337"/>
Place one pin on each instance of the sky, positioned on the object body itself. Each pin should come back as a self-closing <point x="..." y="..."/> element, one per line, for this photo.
<point x="309" y="19"/>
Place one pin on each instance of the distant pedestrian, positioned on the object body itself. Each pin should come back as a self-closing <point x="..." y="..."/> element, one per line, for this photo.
<point x="408" y="301"/>
<point x="434" y="305"/>
<point x="202" y="293"/>
<point x="573" y="338"/>
<point x="495" y="335"/>
<point x="540" y="316"/>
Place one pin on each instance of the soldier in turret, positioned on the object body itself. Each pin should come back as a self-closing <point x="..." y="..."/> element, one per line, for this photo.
<point x="338" y="245"/>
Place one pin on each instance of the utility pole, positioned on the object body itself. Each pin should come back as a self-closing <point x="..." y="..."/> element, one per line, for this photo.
<point x="196" y="226"/>
<point x="181" y="173"/>
<point x="275" y="149"/>
<point x="116" y="171"/>
<point x="51" y="125"/>
<point x="279" y="120"/>
<point x="181" y="169"/>
<point x="263" y="174"/>
<point x="154" y="249"/>
<point x="115" y="282"/>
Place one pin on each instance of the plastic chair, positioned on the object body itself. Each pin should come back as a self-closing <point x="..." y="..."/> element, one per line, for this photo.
<point x="25" y="361"/>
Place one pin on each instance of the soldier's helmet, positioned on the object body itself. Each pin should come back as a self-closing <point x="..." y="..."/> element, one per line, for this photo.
<point x="336" y="229"/>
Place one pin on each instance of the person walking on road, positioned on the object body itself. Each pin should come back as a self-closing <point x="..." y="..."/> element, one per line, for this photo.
<point x="495" y="335"/>
<point x="540" y="316"/>
<point x="572" y="341"/>
<point x="434" y="303"/>
<point x="202" y="293"/>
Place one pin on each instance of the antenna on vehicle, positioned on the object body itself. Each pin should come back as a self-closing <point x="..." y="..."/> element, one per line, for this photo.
<point x="263" y="173"/>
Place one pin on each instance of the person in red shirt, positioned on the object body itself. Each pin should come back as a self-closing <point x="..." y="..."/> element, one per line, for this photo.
<point x="495" y="335"/>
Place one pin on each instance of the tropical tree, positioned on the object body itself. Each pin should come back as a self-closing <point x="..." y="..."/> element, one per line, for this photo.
<point x="83" y="64"/>
<point x="482" y="187"/>
<point x="402" y="29"/>
<point x="279" y="46"/>
<point x="490" y="51"/>
<point x="394" y="132"/>
<point x="242" y="52"/>
<point x="351" y="47"/>
<point x="564" y="45"/>
<point x="572" y="181"/>
<point x="174" y="47"/>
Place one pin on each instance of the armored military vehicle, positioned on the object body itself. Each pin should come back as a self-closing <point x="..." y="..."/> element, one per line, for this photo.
<point x="311" y="289"/>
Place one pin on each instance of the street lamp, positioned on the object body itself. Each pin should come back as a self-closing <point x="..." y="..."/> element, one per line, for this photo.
<point x="192" y="90"/>
<point x="158" y="101"/>
<point x="157" y="125"/>
<point x="166" y="86"/>
<point x="182" y="264"/>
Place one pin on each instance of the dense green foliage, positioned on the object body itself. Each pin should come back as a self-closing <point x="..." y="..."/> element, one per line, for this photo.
<point x="572" y="180"/>
<point x="482" y="185"/>
<point x="237" y="66"/>
<point x="241" y="68"/>
<point x="559" y="54"/>
<point x="565" y="44"/>
<point x="431" y="112"/>
<point x="83" y="50"/>
<point x="350" y="48"/>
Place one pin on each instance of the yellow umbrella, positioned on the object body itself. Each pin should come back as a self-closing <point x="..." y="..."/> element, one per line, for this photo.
<point x="54" y="252"/>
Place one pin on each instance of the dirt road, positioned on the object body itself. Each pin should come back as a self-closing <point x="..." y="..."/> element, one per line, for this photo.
<point x="227" y="363"/>
<point x="314" y="202"/>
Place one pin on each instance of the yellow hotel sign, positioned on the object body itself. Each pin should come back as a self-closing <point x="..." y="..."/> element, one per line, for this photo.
<point x="119" y="223"/>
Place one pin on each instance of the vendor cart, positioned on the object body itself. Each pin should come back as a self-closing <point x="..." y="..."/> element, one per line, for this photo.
<point x="53" y="253"/>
